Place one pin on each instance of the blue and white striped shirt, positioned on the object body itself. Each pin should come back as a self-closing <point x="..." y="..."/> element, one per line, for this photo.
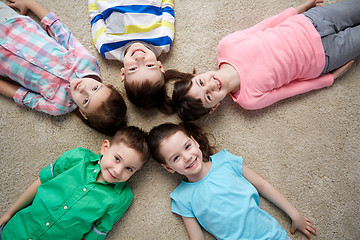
<point x="116" y="23"/>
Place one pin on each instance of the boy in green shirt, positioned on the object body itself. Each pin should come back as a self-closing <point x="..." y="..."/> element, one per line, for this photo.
<point x="82" y="195"/>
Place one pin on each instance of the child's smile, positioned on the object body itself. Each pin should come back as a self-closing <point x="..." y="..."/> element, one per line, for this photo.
<point x="183" y="155"/>
<point x="118" y="163"/>
<point x="208" y="88"/>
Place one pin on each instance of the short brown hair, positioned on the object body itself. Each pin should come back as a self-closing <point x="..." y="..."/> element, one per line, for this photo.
<point x="147" y="95"/>
<point x="134" y="138"/>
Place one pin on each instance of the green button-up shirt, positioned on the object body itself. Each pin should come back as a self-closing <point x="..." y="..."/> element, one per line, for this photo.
<point x="70" y="204"/>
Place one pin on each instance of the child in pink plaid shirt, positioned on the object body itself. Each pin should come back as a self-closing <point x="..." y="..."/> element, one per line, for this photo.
<point x="56" y="73"/>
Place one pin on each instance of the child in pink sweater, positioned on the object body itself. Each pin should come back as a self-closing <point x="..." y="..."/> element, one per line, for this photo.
<point x="282" y="56"/>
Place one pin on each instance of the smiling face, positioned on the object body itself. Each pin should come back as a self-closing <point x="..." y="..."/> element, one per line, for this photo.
<point x="88" y="94"/>
<point x="182" y="154"/>
<point x="119" y="162"/>
<point x="140" y="63"/>
<point x="209" y="88"/>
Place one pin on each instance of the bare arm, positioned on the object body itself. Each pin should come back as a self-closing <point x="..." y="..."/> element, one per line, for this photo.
<point x="24" y="200"/>
<point x="307" y="5"/>
<point x="268" y="191"/>
<point x="8" y="89"/>
<point x="32" y="5"/>
<point x="193" y="228"/>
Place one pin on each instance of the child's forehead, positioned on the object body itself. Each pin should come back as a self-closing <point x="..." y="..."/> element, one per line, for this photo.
<point x="176" y="138"/>
<point x="127" y="152"/>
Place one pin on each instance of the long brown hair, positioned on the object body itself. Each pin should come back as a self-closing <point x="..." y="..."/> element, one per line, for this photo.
<point x="111" y="114"/>
<point x="165" y="130"/>
<point x="187" y="108"/>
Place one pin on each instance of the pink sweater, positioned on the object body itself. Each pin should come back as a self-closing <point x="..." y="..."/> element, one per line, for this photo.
<point x="279" y="57"/>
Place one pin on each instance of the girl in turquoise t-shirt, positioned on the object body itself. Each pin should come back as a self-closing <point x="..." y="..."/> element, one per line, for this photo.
<point x="221" y="193"/>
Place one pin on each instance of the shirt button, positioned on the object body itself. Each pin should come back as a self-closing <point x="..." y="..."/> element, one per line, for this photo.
<point x="65" y="207"/>
<point x="95" y="171"/>
<point x="17" y="52"/>
<point x="47" y="224"/>
<point x="84" y="189"/>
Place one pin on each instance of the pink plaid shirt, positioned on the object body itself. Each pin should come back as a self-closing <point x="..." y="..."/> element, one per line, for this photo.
<point x="43" y="62"/>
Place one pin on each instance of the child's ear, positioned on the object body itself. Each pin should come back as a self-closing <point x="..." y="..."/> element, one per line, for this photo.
<point x="169" y="169"/>
<point x="104" y="147"/>
<point x="213" y="109"/>
<point x="122" y="74"/>
<point x="161" y="67"/>
<point x="83" y="114"/>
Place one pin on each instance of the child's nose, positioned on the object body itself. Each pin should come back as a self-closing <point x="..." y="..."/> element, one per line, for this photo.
<point x="118" y="171"/>
<point x="139" y="57"/>
<point x="82" y="87"/>
<point x="187" y="157"/>
<point x="211" y="85"/>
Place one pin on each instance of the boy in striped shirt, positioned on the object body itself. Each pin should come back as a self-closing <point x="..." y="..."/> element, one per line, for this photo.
<point x="136" y="32"/>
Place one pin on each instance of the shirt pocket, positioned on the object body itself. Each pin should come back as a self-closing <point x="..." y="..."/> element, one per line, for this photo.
<point x="46" y="89"/>
<point x="115" y="23"/>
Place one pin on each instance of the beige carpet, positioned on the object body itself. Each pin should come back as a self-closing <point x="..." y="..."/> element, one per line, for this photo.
<point x="307" y="146"/>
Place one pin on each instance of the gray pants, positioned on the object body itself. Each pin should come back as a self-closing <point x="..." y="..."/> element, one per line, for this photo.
<point x="339" y="27"/>
<point x="6" y="12"/>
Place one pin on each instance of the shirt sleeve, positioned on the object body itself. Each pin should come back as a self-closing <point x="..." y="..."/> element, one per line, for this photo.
<point x="69" y="159"/>
<point x="236" y="162"/>
<point x="24" y="97"/>
<point x="98" y="27"/>
<point x="179" y="204"/>
<point x="103" y="225"/>
<point x="272" y="21"/>
<point x="293" y="88"/>
<point x="58" y="31"/>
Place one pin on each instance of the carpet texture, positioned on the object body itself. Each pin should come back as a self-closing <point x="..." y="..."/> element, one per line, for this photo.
<point x="306" y="146"/>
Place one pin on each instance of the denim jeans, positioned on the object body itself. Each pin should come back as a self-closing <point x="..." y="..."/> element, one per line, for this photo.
<point x="339" y="27"/>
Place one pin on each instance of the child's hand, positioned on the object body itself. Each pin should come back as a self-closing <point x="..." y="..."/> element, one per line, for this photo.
<point x="304" y="225"/>
<point x="341" y="70"/>
<point x="307" y="5"/>
<point x="22" y="5"/>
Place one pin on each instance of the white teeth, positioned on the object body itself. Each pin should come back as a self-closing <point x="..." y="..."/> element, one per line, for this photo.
<point x="137" y="52"/>
<point x="192" y="164"/>
<point x="218" y="83"/>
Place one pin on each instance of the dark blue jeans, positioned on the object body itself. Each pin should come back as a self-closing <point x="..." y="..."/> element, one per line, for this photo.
<point x="339" y="27"/>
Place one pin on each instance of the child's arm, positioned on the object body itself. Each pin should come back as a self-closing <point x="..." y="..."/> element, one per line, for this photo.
<point x="268" y="191"/>
<point x="24" y="200"/>
<point x="8" y="89"/>
<point x="193" y="228"/>
<point x="25" y="5"/>
<point x="307" y="5"/>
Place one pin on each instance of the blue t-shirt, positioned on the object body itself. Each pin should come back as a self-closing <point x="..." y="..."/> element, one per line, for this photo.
<point x="225" y="203"/>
